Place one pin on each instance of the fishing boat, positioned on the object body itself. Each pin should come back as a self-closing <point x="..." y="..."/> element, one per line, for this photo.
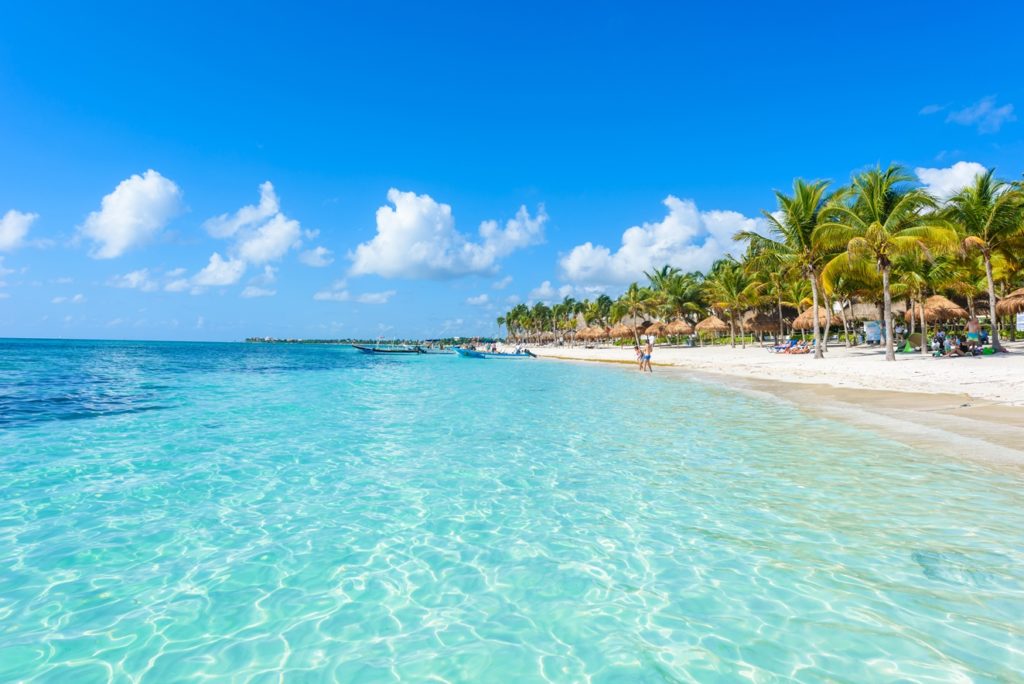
<point x="391" y="349"/>
<point x="474" y="354"/>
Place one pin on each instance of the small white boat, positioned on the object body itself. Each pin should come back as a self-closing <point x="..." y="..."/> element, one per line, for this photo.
<point x="474" y="354"/>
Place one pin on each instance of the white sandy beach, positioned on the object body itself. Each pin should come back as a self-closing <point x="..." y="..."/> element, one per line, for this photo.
<point x="995" y="379"/>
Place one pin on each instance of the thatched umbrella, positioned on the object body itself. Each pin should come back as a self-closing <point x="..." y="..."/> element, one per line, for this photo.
<point x="805" y="321"/>
<point x="679" y="327"/>
<point x="1012" y="303"/>
<point x="713" y="325"/>
<point x="937" y="308"/>
<point x="620" y="331"/>
<point x="760" y="322"/>
<point x="657" y="329"/>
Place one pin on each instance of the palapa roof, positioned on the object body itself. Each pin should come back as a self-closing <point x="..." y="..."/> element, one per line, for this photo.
<point x="1011" y="304"/>
<point x="805" y="321"/>
<point x="937" y="308"/>
<point x="620" y="330"/>
<point x="759" y="321"/>
<point x="656" y="328"/>
<point x="679" y="327"/>
<point x="712" y="324"/>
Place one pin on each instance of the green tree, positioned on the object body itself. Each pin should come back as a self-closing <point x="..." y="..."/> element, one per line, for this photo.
<point x="988" y="213"/>
<point x="882" y="217"/>
<point x="634" y="302"/>
<point x="790" y="241"/>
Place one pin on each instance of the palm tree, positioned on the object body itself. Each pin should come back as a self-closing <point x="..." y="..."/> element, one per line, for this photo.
<point x="990" y="215"/>
<point x="730" y="290"/>
<point x="790" y="242"/>
<point x="633" y="302"/>
<point x="502" y="320"/>
<point x="660" y="278"/>
<point x="882" y="217"/>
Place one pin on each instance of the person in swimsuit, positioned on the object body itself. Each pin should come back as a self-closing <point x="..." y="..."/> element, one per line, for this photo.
<point x="648" y="350"/>
<point x="973" y="332"/>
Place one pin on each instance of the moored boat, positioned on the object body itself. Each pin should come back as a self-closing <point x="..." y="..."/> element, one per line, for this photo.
<point x="474" y="354"/>
<point x="377" y="349"/>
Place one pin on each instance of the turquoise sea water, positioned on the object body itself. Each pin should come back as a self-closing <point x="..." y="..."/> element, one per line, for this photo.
<point x="195" y="512"/>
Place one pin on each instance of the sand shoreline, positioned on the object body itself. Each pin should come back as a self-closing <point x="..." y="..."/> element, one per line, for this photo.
<point x="981" y="419"/>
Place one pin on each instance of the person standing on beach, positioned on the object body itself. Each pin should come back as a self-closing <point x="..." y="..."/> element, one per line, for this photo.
<point x="639" y="356"/>
<point x="646" y="364"/>
<point x="973" y="332"/>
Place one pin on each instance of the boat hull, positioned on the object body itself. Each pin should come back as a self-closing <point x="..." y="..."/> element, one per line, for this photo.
<point x="474" y="354"/>
<point x="377" y="350"/>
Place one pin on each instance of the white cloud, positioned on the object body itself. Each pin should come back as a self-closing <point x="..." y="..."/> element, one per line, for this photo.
<point x="546" y="292"/>
<point x="317" y="257"/>
<point x="258" y="286"/>
<point x="131" y="215"/>
<point x="75" y="299"/>
<point x="178" y="285"/>
<point x="375" y="297"/>
<point x="220" y="272"/>
<point x="686" y="238"/>
<point x="252" y="291"/>
<point x="270" y="241"/>
<point x="135" y="280"/>
<point x="3" y="269"/>
<point x="503" y="283"/>
<point x="985" y="114"/>
<point x="512" y="299"/>
<point x="268" y="277"/>
<point x="225" y="226"/>
<point x="478" y="300"/>
<point x="14" y="227"/>
<point x="261" y="233"/>
<point x="931" y="109"/>
<point x="339" y="293"/>
<point x="416" y="238"/>
<point x="946" y="182"/>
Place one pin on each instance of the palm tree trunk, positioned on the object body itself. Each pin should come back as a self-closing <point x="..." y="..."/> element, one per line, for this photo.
<point x="890" y="351"/>
<point x="828" y="320"/>
<point x="782" y="330"/>
<point x="913" y="321"/>
<point x="846" y="328"/>
<point x="992" y="304"/>
<point x="924" y="330"/>
<point x="819" y="353"/>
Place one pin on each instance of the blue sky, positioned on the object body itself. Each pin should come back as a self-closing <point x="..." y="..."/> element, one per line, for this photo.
<point x="430" y="163"/>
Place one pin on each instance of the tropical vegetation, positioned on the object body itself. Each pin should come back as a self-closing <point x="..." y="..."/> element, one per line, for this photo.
<point x="872" y="249"/>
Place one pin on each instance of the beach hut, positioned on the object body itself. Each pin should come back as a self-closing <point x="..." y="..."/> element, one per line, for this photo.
<point x="937" y="308"/>
<point x="712" y="326"/>
<point x="805" y="321"/>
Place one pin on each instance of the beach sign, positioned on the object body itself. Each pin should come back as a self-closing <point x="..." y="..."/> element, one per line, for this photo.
<point x="873" y="332"/>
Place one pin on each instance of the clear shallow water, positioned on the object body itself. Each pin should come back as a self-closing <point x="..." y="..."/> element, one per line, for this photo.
<point x="177" y="512"/>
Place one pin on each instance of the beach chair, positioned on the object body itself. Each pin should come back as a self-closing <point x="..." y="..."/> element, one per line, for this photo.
<point x="781" y="348"/>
